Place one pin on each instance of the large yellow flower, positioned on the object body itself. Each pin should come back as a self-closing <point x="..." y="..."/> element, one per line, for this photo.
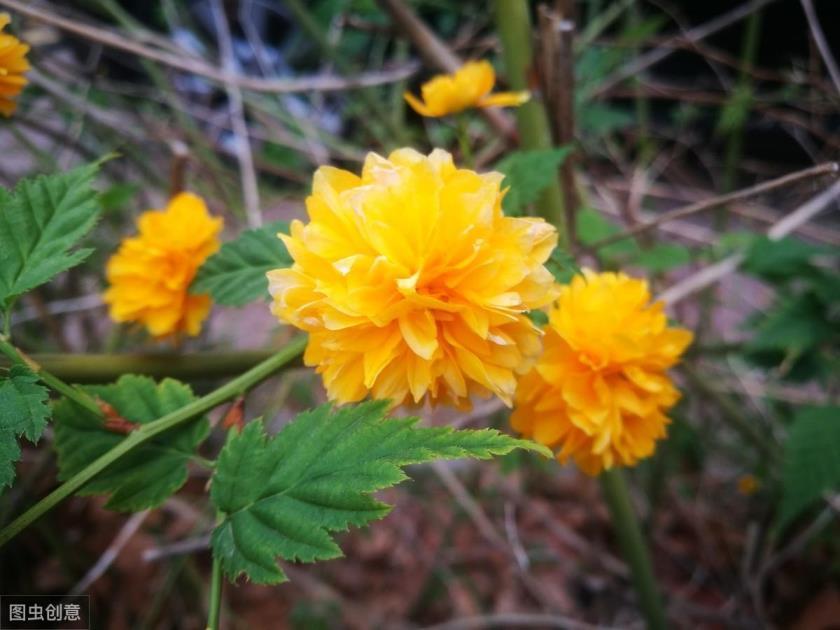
<point x="150" y="274"/>
<point x="412" y="283"/>
<point x="13" y="64"/>
<point x="599" y="391"/>
<point x="469" y="86"/>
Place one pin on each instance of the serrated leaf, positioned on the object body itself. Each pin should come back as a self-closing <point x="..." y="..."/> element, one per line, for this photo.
<point x="811" y="461"/>
<point x="284" y="495"/>
<point x="40" y="222"/>
<point x="150" y="473"/>
<point x="528" y="173"/>
<point x="235" y="275"/>
<point x="23" y="413"/>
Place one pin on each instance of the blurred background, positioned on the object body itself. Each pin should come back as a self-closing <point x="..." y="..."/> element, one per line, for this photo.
<point x="665" y="104"/>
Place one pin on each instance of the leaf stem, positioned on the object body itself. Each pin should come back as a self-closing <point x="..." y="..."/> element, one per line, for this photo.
<point x="71" y="392"/>
<point x="633" y="546"/>
<point x="146" y="432"/>
<point x="215" y="603"/>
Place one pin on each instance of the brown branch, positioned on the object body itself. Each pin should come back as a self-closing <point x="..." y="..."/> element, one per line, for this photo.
<point x="827" y="168"/>
<point x="642" y="62"/>
<point x="822" y="44"/>
<point x="714" y="273"/>
<point x="194" y="65"/>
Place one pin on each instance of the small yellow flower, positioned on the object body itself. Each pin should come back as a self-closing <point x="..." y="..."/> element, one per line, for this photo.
<point x="599" y="391"/>
<point x="469" y="86"/>
<point x="748" y="485"/>
<point x="13" y="64"/>
<point x="150" y="274"/>
<point x="412" y="283"/>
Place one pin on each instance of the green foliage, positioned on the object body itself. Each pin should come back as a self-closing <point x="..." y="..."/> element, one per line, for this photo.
<point x="780" y="260"/>
<point x="23" y="412"/>
<point x="149" y="474"/>
<point x="235" y="275"/>
<point x="40" y="222"/>
<point x="663" y="257"/>
<point x="528" y="174"/>
<point x="593" y="227"/>
<point x="284" y="495"/>
<point x="799" y="334"/>
<point x="811" y="461"/>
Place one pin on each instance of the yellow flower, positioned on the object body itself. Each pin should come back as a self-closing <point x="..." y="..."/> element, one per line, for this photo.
<point x="150" y="274"/>
<point x="469" y="86"/>
<point x="13" y="64"/>
<point x="412" y="283"/>
<point x="599" y="391"/>
<point x="748" y="485"/>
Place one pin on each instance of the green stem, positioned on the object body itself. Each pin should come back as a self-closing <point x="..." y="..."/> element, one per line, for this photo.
<point x="513" y="22"/>
<point x="633" y="546"/>
<point x="147" y="431"/>
<point x="215" y="604"/>
<point x="105" y="368"/>
<point x="73" y="393"/>
<point x="464" y="140"/>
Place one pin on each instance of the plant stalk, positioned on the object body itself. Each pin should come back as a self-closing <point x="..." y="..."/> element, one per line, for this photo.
<point x="56" y="384"/>
<point x="513" y="23"/>
<point x="215" y="604"/>
<point x="633" y="547"/>
<point x="146" y="432"/>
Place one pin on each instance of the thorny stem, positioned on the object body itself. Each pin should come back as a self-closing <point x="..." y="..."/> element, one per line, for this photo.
<point x="633" y="547"/>
<point x="73" y="393"/>
<point x="147" y="431"/>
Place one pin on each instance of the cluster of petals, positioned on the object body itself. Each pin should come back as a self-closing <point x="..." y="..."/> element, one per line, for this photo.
<point x="150" y="274"/>
<point x="13" y="65"/>
<point x="469" y="86"/>
<point x="411" y="282"/>
<point x="599" y="393"/>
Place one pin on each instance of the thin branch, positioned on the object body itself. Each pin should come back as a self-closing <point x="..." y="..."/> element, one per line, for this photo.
<point x="710" y="275"/>
<point x="642" y="62"/>
<point x="822" y="44"/>
<point x="244" y="156"/>
<point x="107" y="558"/>
<point x="515" y="620"/>
<point x="828" y="168"/>
<point x="193" y="65"/>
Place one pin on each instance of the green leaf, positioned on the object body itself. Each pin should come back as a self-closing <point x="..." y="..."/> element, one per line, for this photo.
<point x="785" y="258"/>
<point x="150" y="473"/>
<point x="235" y="275"/>
<point x="593" y="227"/>
<point x="528" y="173"/>
<point x="793" y="324"/>
<point x="811" y="461"/>
<point x="663" y="256"/>
<point x="23" y="412"/>
<point x="284" y="495"/>
<point x="40" y="222"/>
